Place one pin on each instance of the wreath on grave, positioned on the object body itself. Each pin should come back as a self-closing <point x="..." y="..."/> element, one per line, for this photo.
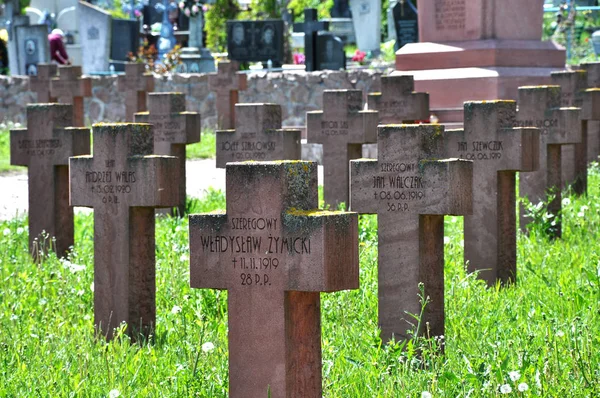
<point x="191" y="8"/>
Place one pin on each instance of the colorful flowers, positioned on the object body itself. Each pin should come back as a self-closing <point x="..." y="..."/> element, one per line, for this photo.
<point x="359" y="56"/>
<point x="191" y="7"/>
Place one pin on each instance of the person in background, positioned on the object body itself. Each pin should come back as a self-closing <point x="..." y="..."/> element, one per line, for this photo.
<point x="58" y="53"/>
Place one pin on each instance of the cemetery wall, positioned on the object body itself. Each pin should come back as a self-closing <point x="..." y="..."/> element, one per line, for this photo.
<point x="296" y="92"/>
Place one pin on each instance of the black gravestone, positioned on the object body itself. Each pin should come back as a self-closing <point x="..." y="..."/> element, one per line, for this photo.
<point x="150" y="14"/>
<point x="125" y="39"/>
<point x="407" y="24"/>
<point x="255" y="41"/>
<point x="340" y="9"/>
<point x="310" y="27"/>
<point x="330" y="52"/>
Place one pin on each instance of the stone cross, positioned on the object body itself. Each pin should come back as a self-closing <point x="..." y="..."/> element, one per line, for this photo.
<point x="539" y="106"/>
<point x="593" y="81"/>
<point x="40" y="84"/>
<point x="411" y="188"/>
<point x="135" y="84"/>
<point x="124" y="183"/>
<point x="257" y="136"/>
<point x="174" y="128"/>
<point x="44" y="148"/>
<point x="311" y="27"/>
<point x="70" y="88"/>
<point x="341" y="127"/>
<point x="574" y="157"/>
<point x="274" y="253"/>
<point x="498" y="151"/>
<point x="398" y="102"/>
<point x="227" y="83"/>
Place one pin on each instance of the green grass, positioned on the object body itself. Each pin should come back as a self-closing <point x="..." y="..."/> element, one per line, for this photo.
<point x="205" y="149"/>
<point x="546" y="327"/>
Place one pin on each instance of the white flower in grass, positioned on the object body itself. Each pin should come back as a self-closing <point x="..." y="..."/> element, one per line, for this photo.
<point x="514" y="375"/>
<point x="6" y="231"/>
<point x="425" y="394"/>
<point x="176" y="309"/>
<point x="523" y="387"/>
<point x="505" y="389"/>
<point x="20" y="230"/>
<point x="208" y="346"/>
<point x="18" y="125"/>
<point x="183" y="258"/>
<point x="560" y="333"/>
<point x="446" y="240"/>
<point x="114" y="393"/>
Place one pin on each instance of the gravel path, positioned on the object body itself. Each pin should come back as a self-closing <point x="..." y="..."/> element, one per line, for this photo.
<point x="201" y="174"/>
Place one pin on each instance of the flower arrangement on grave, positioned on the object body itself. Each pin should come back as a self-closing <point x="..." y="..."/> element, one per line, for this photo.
<point x="135" y="6"/>
<point x="191" y="8"/>
<point x="359" y="56"/>
<point x="147" y="54"/>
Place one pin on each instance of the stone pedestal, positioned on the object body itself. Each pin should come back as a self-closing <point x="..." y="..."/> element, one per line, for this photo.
<point x="478" y="50"/>
<point x="196" y="60"/>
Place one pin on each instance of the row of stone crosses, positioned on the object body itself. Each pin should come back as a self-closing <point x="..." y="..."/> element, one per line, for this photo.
<point x="272" y="249"/>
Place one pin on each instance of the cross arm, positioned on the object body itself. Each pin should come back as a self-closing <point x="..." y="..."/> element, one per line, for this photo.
<point x="180" y="128"/>
<point x="370" y="120"/>
<point x="567" y="128"/>
<point x="208" y="237"/>
<point x="591" y="104"/>
<point x="412" y="108"/>
<point x="282" y="142"/>
<point x="63" y="143"/>
<point x="18" y="150"/>
<point x="363" y="182"/>
<point x="447" y="186"/>
<point x="85" y="87"/>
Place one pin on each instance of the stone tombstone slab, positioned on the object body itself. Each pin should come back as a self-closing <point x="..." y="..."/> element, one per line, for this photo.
<point x="330" y="52"/>
<point x="274" y="253"/>
<point x="125" y="39"/>
<point x="398" y="102"/>
<point x="227" y="83"/>
<point x="124" y="182"/>
<point x="498" y="152"/>
<point x="459" y="20"/>
<point x="310" y="27"/>
<point x="33" y="48"/>
<point x="135" y="83"/>
<point x="95" y="34"/>
<point x="341" y="127"/>
<point x="70" y="88"/>
<point x="411" y="186"/>
<point x="406" y="21"/>
<point x="255" y="41"/>
<point x="574" y="157"/>
<point x="539" y="106"/>
<point x="366" y="15"/>
<point x="174" y="128"/>
<point x="593" y="81"/>
<point x="40" y="84"/>
<point x="340" y="9"/>
<point x="44" y="148"/>
<point x="257" y="136"/>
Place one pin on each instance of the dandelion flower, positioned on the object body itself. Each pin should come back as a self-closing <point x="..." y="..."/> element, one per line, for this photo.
<point x="514" y="375"/>
<point x="523" y="387"/>
<point x="505" y="389"/>
<point x="114" y="393"/>
<point x="566" y="202"/>
<point x="6" y="231"/>
<point x="446" y="240"/>
<point x="208" y="347"/>
<point x="176" y="309"/>
<point x="425" y="394"/>
<point x="560" y="333"/>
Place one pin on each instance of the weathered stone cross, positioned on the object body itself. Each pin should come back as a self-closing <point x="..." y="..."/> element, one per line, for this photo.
<point x="135" y="83"/>
<point x="45" y="147"/>
<point x="574" y="157"/>
<point x="411" y="188"/>
<point x="174" y="128"/>
<point x="341" y="127"/>
<point x="257" y="136"/>
<point x="124" y="183"/>
<point x="40" y="84"/>
<point x="498" y="151"/>
<point x="398" y="102"/>
<point x="593" y="81"/>
<point x="70" y="88"/>
<point x="227" y="83"/>
<point x="274" y="253"/>
<point x="539" y="106"/>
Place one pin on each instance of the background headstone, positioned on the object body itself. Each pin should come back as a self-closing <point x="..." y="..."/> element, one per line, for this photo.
<point x="366" y="15"/>
<point x="136" y="83"/>
<point x="70" y="88"/>
<point x="406" y="23"/>
<point x="593" y="75"/>
<point x="311" y="26"/>
<point x="227" y="83"/>
<point x="96" y="27"/>
<point x="255" y="41"/>
<point x="294" y="253"/>
<point x="40" y="84"/>
<point x="33" y="48"/>
<point x="330" y="52"/>
<point x="397" y="102"/>
<point x="340" y="9"/>
<point x="125" y="39"/>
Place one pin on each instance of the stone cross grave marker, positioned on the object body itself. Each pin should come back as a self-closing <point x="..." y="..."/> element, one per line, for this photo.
<point x="124" y="182"/>
<point x="593" y="81"/>
<point x="135" y="83"/>
<point x="257" y="136"/>
<point x="70" y="88"/>
<point x="174" y="128"/>
<point x="274" y="253"/>
<point x="227" y="83"/>
<point x="341" y="127"/>
<point x="574" y="157"/>
<point x="411" y="187"/>
<point x="398" y="102"/>
<point x="498" y="151"/>
<point x="539" y="106"/>
<point x="311" y="26"/>
<point x="45" y="147"/>
<point x="40" y="84"/>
